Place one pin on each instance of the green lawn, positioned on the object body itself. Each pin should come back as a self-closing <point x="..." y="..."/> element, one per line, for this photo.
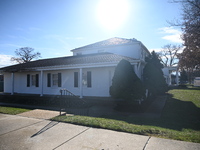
<point x="180" y="119"/>
<point x="12" y="110"/>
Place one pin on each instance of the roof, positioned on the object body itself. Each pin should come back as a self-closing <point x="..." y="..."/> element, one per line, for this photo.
<point x="109" y="42"/>
<point x="89" y="59"/>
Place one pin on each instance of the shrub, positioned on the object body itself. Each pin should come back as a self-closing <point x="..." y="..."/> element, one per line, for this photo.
<point x="125" y="83"/>
<point x="153" y="76"/>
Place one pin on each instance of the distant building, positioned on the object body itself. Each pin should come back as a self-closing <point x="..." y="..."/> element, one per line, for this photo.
<point x="197" y="81"/>
<point x="167" y="71"/>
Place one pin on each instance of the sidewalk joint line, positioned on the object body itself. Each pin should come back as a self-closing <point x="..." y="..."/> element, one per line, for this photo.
<point x="146" y="143"/>
<point x="20" y="128"/>
<point x="71" y="138"/>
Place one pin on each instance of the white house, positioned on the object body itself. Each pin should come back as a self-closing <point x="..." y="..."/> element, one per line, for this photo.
<point x="167" y="71"/>
<point x="88" y="72"/>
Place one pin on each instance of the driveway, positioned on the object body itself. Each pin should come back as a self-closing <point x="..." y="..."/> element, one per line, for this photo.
<point x="20" y="132"/>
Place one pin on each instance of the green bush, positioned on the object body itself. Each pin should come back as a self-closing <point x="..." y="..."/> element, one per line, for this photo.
<point x="125" y="83"/>
<point x="153" y="76"/>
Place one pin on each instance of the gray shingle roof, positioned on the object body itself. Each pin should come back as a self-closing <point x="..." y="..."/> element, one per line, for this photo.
<point x="109" y="42"/>
<point x="71" y="60"/>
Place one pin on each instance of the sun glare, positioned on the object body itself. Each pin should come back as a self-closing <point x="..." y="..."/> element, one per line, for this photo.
<point x="112" y="13"/>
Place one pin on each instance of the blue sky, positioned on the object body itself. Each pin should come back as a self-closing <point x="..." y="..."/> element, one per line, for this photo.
<point x="54" y="27"/>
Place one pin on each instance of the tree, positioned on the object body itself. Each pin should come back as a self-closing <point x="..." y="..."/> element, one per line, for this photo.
<point x="190" y="24"/>
<point x="153" y="75"/>
<point x="125" y="83"/>
<point x="155" y="60"/>
<point x="183" y="77"/>
<point x="169" y="54"/>
<point x="25" y="55"/>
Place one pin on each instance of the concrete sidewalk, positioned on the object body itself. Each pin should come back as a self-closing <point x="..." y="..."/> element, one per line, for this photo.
<point x="19" y="132"/>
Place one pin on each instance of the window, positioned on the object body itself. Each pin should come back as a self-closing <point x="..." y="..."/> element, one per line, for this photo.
<point x="32" y="80"/>
<point x="89" y="79"/>
<point x="59" y="80"/>
<point x="84" y="79"/>
<point x="75" y="79"/>
<point x="54" y="80"/>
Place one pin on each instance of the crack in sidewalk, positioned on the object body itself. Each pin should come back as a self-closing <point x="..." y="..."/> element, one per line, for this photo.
<point x="146" y="143"/>
<point x="71" y="138"/>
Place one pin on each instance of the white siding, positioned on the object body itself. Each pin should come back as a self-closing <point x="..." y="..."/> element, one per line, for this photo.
<point x="101" y="82"/>
<point x="132" y="50"/>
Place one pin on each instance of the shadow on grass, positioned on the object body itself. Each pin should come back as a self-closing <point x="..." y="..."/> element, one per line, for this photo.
<point x="176" y="115"/>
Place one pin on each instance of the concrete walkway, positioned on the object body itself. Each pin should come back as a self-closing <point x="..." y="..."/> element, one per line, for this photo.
<point x="40" y="114"/>
<point x="19" y="132"/>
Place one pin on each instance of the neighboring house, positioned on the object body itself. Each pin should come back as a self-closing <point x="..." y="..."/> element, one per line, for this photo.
<point x="167" y="71"/>
<point x="197" y="81"/>
<point x="88" y="72"/>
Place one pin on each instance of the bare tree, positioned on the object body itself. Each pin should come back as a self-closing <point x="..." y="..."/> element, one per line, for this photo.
<point x="169" y="54"/>
<point x="190" y="25"/>
<point x="25" y="55"/>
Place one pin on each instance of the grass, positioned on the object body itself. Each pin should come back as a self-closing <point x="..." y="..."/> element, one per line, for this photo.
<point x="12" y="110"/>
<point x="180" y="119"/>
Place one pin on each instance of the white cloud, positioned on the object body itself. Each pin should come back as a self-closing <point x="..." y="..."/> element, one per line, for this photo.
<point x="173" y="35"/>
<point x="5" y="60"/>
